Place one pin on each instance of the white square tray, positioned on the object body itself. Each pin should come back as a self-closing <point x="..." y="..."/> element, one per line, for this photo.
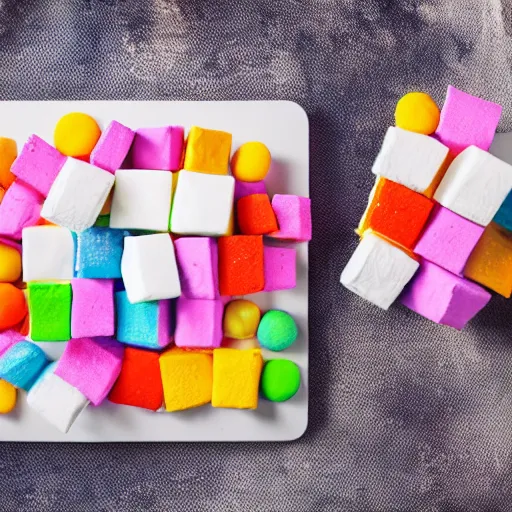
<point x="283" y="127"/>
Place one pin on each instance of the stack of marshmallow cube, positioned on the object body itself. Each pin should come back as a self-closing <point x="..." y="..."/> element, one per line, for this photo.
<point x="135" y="246"/>
<point x="436" y="229"/>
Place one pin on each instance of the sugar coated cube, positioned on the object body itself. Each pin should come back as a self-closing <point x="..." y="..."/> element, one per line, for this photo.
<point x="22" y="363"/>
<point x="112" y="147"/>
<point x="280" y="268"/>
<point x="207" y="151"/>
<point x="255" y="215"/>
<point x="293" y="217"/>
<point x="158" y="148"/>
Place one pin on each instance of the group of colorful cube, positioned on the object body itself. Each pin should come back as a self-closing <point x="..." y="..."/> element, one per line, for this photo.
<point x="132" y="242"/>
<point x="436" y="230"/>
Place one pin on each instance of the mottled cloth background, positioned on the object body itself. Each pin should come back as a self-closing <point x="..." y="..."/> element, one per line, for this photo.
<point x="405" y="415"/>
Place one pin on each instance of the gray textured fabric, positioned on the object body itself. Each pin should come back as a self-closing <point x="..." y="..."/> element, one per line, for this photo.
<point x="405" y="415"/>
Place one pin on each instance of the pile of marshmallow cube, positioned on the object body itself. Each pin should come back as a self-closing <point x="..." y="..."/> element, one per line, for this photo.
<point x="438" y="226"/>
<point x="131" y="246"/>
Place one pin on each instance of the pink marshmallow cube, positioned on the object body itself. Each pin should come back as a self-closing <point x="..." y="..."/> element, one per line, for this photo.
<point x="448" y="240"/>
<point x="8" y="339"/>
<point x="198" y="323"/>
<point x="197" y="259"/>
<point x="38" y="164"/>
<point x="158" y="148"/>
<point x="20" y="208"/>
<point x="444" y="297"/>
<point x="91" y="365"/>
<point x="467" y="121"/>
<point x="92" y="310"/>
<point x="280" y="268"/>
<point x="113" y="147"/>
<point x="293" y="217"/>
<point x="244" y="188"/>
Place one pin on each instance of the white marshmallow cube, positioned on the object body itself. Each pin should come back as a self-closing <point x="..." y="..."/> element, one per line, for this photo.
<point x="55" y="400"/>
<point x="475" y="185"/>
<point x="142" y="200"/>
<point x="378" y="271"/>
<point x="409" y="158"/>
<point x="202" y="204"/>
<point x="149" y="268"/>
<point x="77" y="195"/>
<point x="48" y="253"/>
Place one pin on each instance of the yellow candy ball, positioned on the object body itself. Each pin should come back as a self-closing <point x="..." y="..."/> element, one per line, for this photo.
<point x="10" y="264"/>
<point x="417" y="112"/>
<point x="241" y="319"/>
<point x="7" y="397"/>
<point x="251" y="162"/>
<point x="76" y="134"/>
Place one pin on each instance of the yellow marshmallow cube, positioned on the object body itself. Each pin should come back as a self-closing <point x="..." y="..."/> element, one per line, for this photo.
<point x="207" y="151"/>
<point x="10" y="264"/>
<point x="76" y="134"/>
<point x="7" y="397"/>
<point x="251" y="162"/>
<point x="187" y="378"/>
<point x="417" y="112"/>
<point x="241" y="319"/>
<point x="236" y="378"/>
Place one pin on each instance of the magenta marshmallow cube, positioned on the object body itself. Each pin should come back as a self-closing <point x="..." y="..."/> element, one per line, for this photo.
<point x="92" y="366"/>
<point x="448" y="240"/>
<point x="92" y="310"/>
<point x="246" y="188"/>
<point x="197" y="259"/>
<point x="293" y="215"/>
<point x="198" y="323"/>
<point x="113" y="147"/>
<point x="279" y="264"/>
<point x="444" y="297"/>
<point x="158" y="148"/>
<point x="38" y="164"/>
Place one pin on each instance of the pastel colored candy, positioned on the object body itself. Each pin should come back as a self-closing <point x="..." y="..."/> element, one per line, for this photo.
<point x="76" y="134"/>
<point x="77" y="195"/>
<point x="113" y="147"/>
<point x="55" y="400"/>
<point x="92" y="311"/>
<point x="471" y="193"/>
<point x="241" y="319"/>
<point x="251" y="162"/>
<point x="198" y="323"/>
<point x="255" y="215"/>
<point x="207" y="151"/>
<point x="467" y="121"/>
<point x="20" y="208"/>
<point x="197" y="259"/>
<point x="149" y="268"/>
<point x="444" y="297"/>
<point x="241" y="264"/>
<point x="146" y="324"/>
<point x="417" y="112"/>
<point x="277" y="330"/>
<point x="411" y="159"/>
<point x="8" y="338"/>
<point x="503" y="216"/>
<point x="8" y="397"/>
<point x="236" y="378"/>
<point x="91" y="365"/>
<point x="245" y="188"/>
<point x="38" y="164"/>
<point x="50" y="311"/>
<point x="280" y="380"/>
<point x="396" y="212"/>
<point x="13" y="306"/>
<point x="448" y="240"/>
<point x="203" y="204"/>
<point x="158" y="148"/>
<point x="280" y="268"/>
<point x="142" y="200"/>
<point x="293" y="217"/>
<point x="187" y="379"/>
<point x="8" y="153"/>
<point x="139" y="384"/>
<point x="378" y="271"/>
<point x="99" y="252"/>
<point x="490" y="263"/>
<point x="48" y="253"/>
<point x="10" y="261"/>
<point x="22" y="363"/>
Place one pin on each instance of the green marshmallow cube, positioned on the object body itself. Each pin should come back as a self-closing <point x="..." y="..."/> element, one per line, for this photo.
<point x="50" y="311"/>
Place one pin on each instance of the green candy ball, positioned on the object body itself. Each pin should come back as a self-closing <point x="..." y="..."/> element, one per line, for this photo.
<point x="280" y="380"/>
<point x="277" y="330"/>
